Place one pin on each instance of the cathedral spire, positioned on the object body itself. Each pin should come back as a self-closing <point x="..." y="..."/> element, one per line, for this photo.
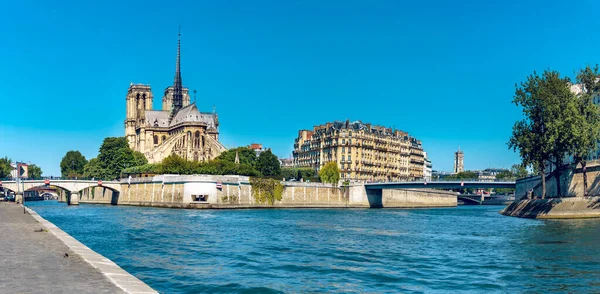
<point x="177" y="85"/>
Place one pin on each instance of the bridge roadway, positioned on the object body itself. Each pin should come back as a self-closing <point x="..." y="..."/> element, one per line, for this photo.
<point x="73" y="187"/>
<point x="441" y="185"/>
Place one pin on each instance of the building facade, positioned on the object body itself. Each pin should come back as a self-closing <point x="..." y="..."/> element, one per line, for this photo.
<point x="427" y="168"/>
<point x="489" y="174"/>
<point x="362" y="151"/>
<point x="178" y="128"/>
<point x="459" y="165"/>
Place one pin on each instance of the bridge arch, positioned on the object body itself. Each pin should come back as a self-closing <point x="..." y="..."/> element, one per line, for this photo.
<point x="469" y="200"/>
<point x="64" y="194"/>
<point x="90" y="193"/>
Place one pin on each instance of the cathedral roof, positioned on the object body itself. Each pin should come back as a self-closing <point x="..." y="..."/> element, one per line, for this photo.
<point x="191" y="114"/>
<point x="156" y="118"/>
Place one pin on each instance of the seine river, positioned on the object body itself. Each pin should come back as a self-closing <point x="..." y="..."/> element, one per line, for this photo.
<point x="464" y="249"/>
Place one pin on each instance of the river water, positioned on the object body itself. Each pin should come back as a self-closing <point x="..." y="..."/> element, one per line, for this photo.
<point x="463" y="249"/>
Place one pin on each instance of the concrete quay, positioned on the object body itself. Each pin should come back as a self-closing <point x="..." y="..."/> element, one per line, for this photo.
<point x="38" y="257"/>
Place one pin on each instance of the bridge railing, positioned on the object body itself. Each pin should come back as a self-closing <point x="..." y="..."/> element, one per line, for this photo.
<point x="443" y="180"/>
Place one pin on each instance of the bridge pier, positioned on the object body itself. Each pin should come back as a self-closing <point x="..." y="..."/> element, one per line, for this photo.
<point x="74" y="198"/>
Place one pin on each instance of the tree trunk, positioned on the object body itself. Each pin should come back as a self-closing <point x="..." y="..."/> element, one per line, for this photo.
<point x="557" y="176"/>
<point x="585" y="183"/>
<point x="543" y="177"/>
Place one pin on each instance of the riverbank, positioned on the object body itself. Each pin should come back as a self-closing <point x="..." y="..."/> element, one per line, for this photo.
<point x="38" y="257"/>
<point x="555" y="208"/>
<point x="223" y="192"/>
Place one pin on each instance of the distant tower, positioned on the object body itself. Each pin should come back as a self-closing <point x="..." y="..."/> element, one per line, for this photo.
<point x="459" y="165"/>
<point x="177" y="87"/>
<point x="237" y="157"/>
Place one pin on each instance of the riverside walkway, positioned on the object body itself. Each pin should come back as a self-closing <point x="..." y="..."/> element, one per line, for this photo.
<point x="34" y="260"/>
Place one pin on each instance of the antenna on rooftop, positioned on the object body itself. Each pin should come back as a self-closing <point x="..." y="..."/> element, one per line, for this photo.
<point x="194" y="95"/>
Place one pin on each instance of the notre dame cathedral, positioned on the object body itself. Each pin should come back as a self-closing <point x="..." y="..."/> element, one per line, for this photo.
<point x="179" y="128"/>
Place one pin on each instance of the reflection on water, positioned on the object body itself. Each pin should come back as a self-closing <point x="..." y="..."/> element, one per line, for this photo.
<point x="470" y="248"/>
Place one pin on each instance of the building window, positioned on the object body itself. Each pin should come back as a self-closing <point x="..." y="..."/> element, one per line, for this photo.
<point x="349" y="157"/>
<point x="343" y="141"/>
<point x="155" y="140"/>
<point x="343" y="150"/>
<point x="164" y="138"/>
<point x="343" y="158"/>
<point x="349" y="149"/>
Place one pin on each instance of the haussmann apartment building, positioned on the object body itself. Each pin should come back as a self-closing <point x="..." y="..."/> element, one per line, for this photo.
<point x="363" y="152"/>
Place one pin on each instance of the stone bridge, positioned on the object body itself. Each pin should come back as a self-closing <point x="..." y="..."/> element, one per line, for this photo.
<point x="73" y="188"/>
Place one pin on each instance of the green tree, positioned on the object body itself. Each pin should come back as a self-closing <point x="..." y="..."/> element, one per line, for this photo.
<point x="562" y="129"/>
<point x="5" y="167"/>
<point x="93" y="169"/>
<point x="505" y="175"/>
<point x="330" y="173"/>
<point x="518" y="171"/>
<point x="464" y="175"/>
<point x="245" y="154"/>
<point x="174" y="164"/>
<point x="546" y="132"/>
<point x="115" y="156"/>
<point x="72" y="164"/>
<point x="139" y="158"/>
<point x="588" y="120"/>
<point x="268" y="164"/>
<point x="35" y="172"/>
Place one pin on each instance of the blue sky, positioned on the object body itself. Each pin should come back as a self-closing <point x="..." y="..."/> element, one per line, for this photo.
<point x="444" y="71"/>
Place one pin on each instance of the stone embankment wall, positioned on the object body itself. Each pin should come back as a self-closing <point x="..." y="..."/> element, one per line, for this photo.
<point x="568" y="207"/>
<point x="571" y="182"/>
<point x="571" y="204"/>
<point x="407" y="198"/>
<point x="236" y="192"/>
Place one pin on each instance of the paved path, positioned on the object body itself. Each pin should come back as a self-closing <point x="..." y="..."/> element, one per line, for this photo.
<point x="34" y="262"/>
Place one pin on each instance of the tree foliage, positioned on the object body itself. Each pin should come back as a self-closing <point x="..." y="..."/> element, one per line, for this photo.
<point x="35" y="172"/>
<point x="72" y="164"/>
<point x="174" y="164"/>
<point x="547" y="131"/>
<point x="298" y="173"/>
<point x="113" y="157"/>
<point x="268" y="164"/>
<point x="464" y="175"/>
<point x="330" y="173"/>
<point x="94" y="169"/>
<point x="587" y="123"/>
<point x="519" y="171"/>
<point x="266" y="190"/>
<point x="245" y="154"/>
<point x="5" y="167"/>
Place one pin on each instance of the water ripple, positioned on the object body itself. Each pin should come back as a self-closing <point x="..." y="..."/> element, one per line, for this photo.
<point x="465" y="249"/>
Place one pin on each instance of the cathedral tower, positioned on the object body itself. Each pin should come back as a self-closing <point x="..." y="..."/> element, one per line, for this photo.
<point x="139" y="99"/>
